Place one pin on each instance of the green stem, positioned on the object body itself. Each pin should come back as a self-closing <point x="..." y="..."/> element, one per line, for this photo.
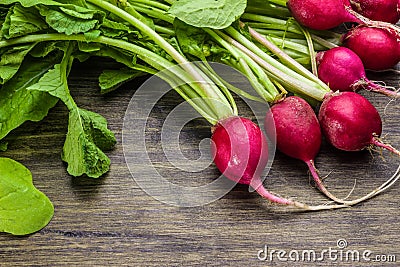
<point x="211" y="92"/>
<point x="164" y="30"/>
<point x="151" y="3"/>
<point x="154" y="12"/>
<point x="298" y="68"/>
<point x="273" y="23"/>
<point x="66" y="62"/>
<point x="263" y="85"/>
<point x="149" y="57"/>
<point x="288" y="43"/>
<point x="206" y="68"/>
<point x="269" y="10"/>
<point x="323" y="42"/>
<point x="311" y="51"/>
<point x="279" y="2"/>
<point x="297" y="86"/>
<point x="234" y="89"/>
<point x="145" y="29"/>
<point x="186" y="92"/>
<point x="274" y="32"/>
<point x="250" y="46"/>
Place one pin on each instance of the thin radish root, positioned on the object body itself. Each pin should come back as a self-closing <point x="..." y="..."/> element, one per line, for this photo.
<point x="273" y="198"/>
<point x="377" y="88"/>
<point x="373" y="23"/>
<point x="385" y="186"/>
<point x="378" y="142"/>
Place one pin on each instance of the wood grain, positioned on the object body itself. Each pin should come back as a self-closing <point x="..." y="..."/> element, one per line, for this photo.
<point x="112" y="222"/>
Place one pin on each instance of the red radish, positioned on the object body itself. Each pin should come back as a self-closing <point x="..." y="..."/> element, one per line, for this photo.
<point x="320" y="14"/>
<point x="327" y="14"/>
<point x="351" y="123"/>
<point x="240" y="153"/>
<point x="377" y="48"/>
<point x="240" y="148"/>
<point x="343" y="70"/>
<point x="298" y="133"/>
<point x="382" y="10"/>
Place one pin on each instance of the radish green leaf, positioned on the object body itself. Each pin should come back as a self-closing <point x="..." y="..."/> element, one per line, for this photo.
<point x="208" y="13"/>
<point x="23" y="208"/>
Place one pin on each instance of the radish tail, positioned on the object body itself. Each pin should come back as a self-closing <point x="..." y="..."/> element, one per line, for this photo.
<point x="375" y="141"/>
<point x="386" y="185"/>
<point x="373" y="87"/>
<point x="356" y="17"/>
<point x="276" y="199"/>
<point x="320" y="184"/>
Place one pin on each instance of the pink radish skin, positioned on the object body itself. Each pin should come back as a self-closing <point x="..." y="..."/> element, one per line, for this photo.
<point x="343" y="70"/>
<point x="351" y="123"/>
<point x="378" y="49"/>
<point x="320" y="14"/>
<point x="328" y="14"/>
<point x="240" y="153"/>
<point x="240" y="149"/>
<point x="382" y="10"/>
<point x="298" y="134"/>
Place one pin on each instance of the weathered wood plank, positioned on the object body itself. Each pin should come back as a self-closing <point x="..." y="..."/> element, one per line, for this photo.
<point x="111" y="221"/>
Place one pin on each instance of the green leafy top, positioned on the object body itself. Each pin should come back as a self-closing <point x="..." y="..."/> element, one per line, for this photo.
<point x="23" y="208"/>
<point x="87" y="133"/>
<point x="208" y="13"/>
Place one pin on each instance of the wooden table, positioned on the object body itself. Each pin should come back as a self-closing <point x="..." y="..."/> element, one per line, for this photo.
<point x="112" y="222"/>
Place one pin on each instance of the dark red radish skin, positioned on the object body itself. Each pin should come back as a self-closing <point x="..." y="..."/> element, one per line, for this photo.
<point x="320" y="14"/>
<point x="328" y="14"/>
<point x="240" y="152"/>
<point x="343" y="70"/>
<point x="298" y="134"/>
<point x="351" y="123"/>
<point x="240" y="149"/>
<point x="377" y="48"/>
<point x="382" y="10"/>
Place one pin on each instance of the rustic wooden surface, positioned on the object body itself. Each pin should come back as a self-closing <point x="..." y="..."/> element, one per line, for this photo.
<point x="112" y="222"/>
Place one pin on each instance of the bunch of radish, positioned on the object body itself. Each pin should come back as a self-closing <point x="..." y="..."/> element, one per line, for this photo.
<point x="239" y="146"/>
<point x="348" y="120"/>
<point x="376" y="39"/>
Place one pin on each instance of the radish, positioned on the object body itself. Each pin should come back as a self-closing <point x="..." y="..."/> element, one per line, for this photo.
<point x="240" y="153"/>
<point x="298" y="135"/>
<point x="240" y="149"/>
<point x="351" y="123"/>
<point x="382" y="10"/>
<point x="328" y="14"/>
<point x="320" y="14"/>
<point x="343" y="70"/>
<point x="377" y="48"/>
